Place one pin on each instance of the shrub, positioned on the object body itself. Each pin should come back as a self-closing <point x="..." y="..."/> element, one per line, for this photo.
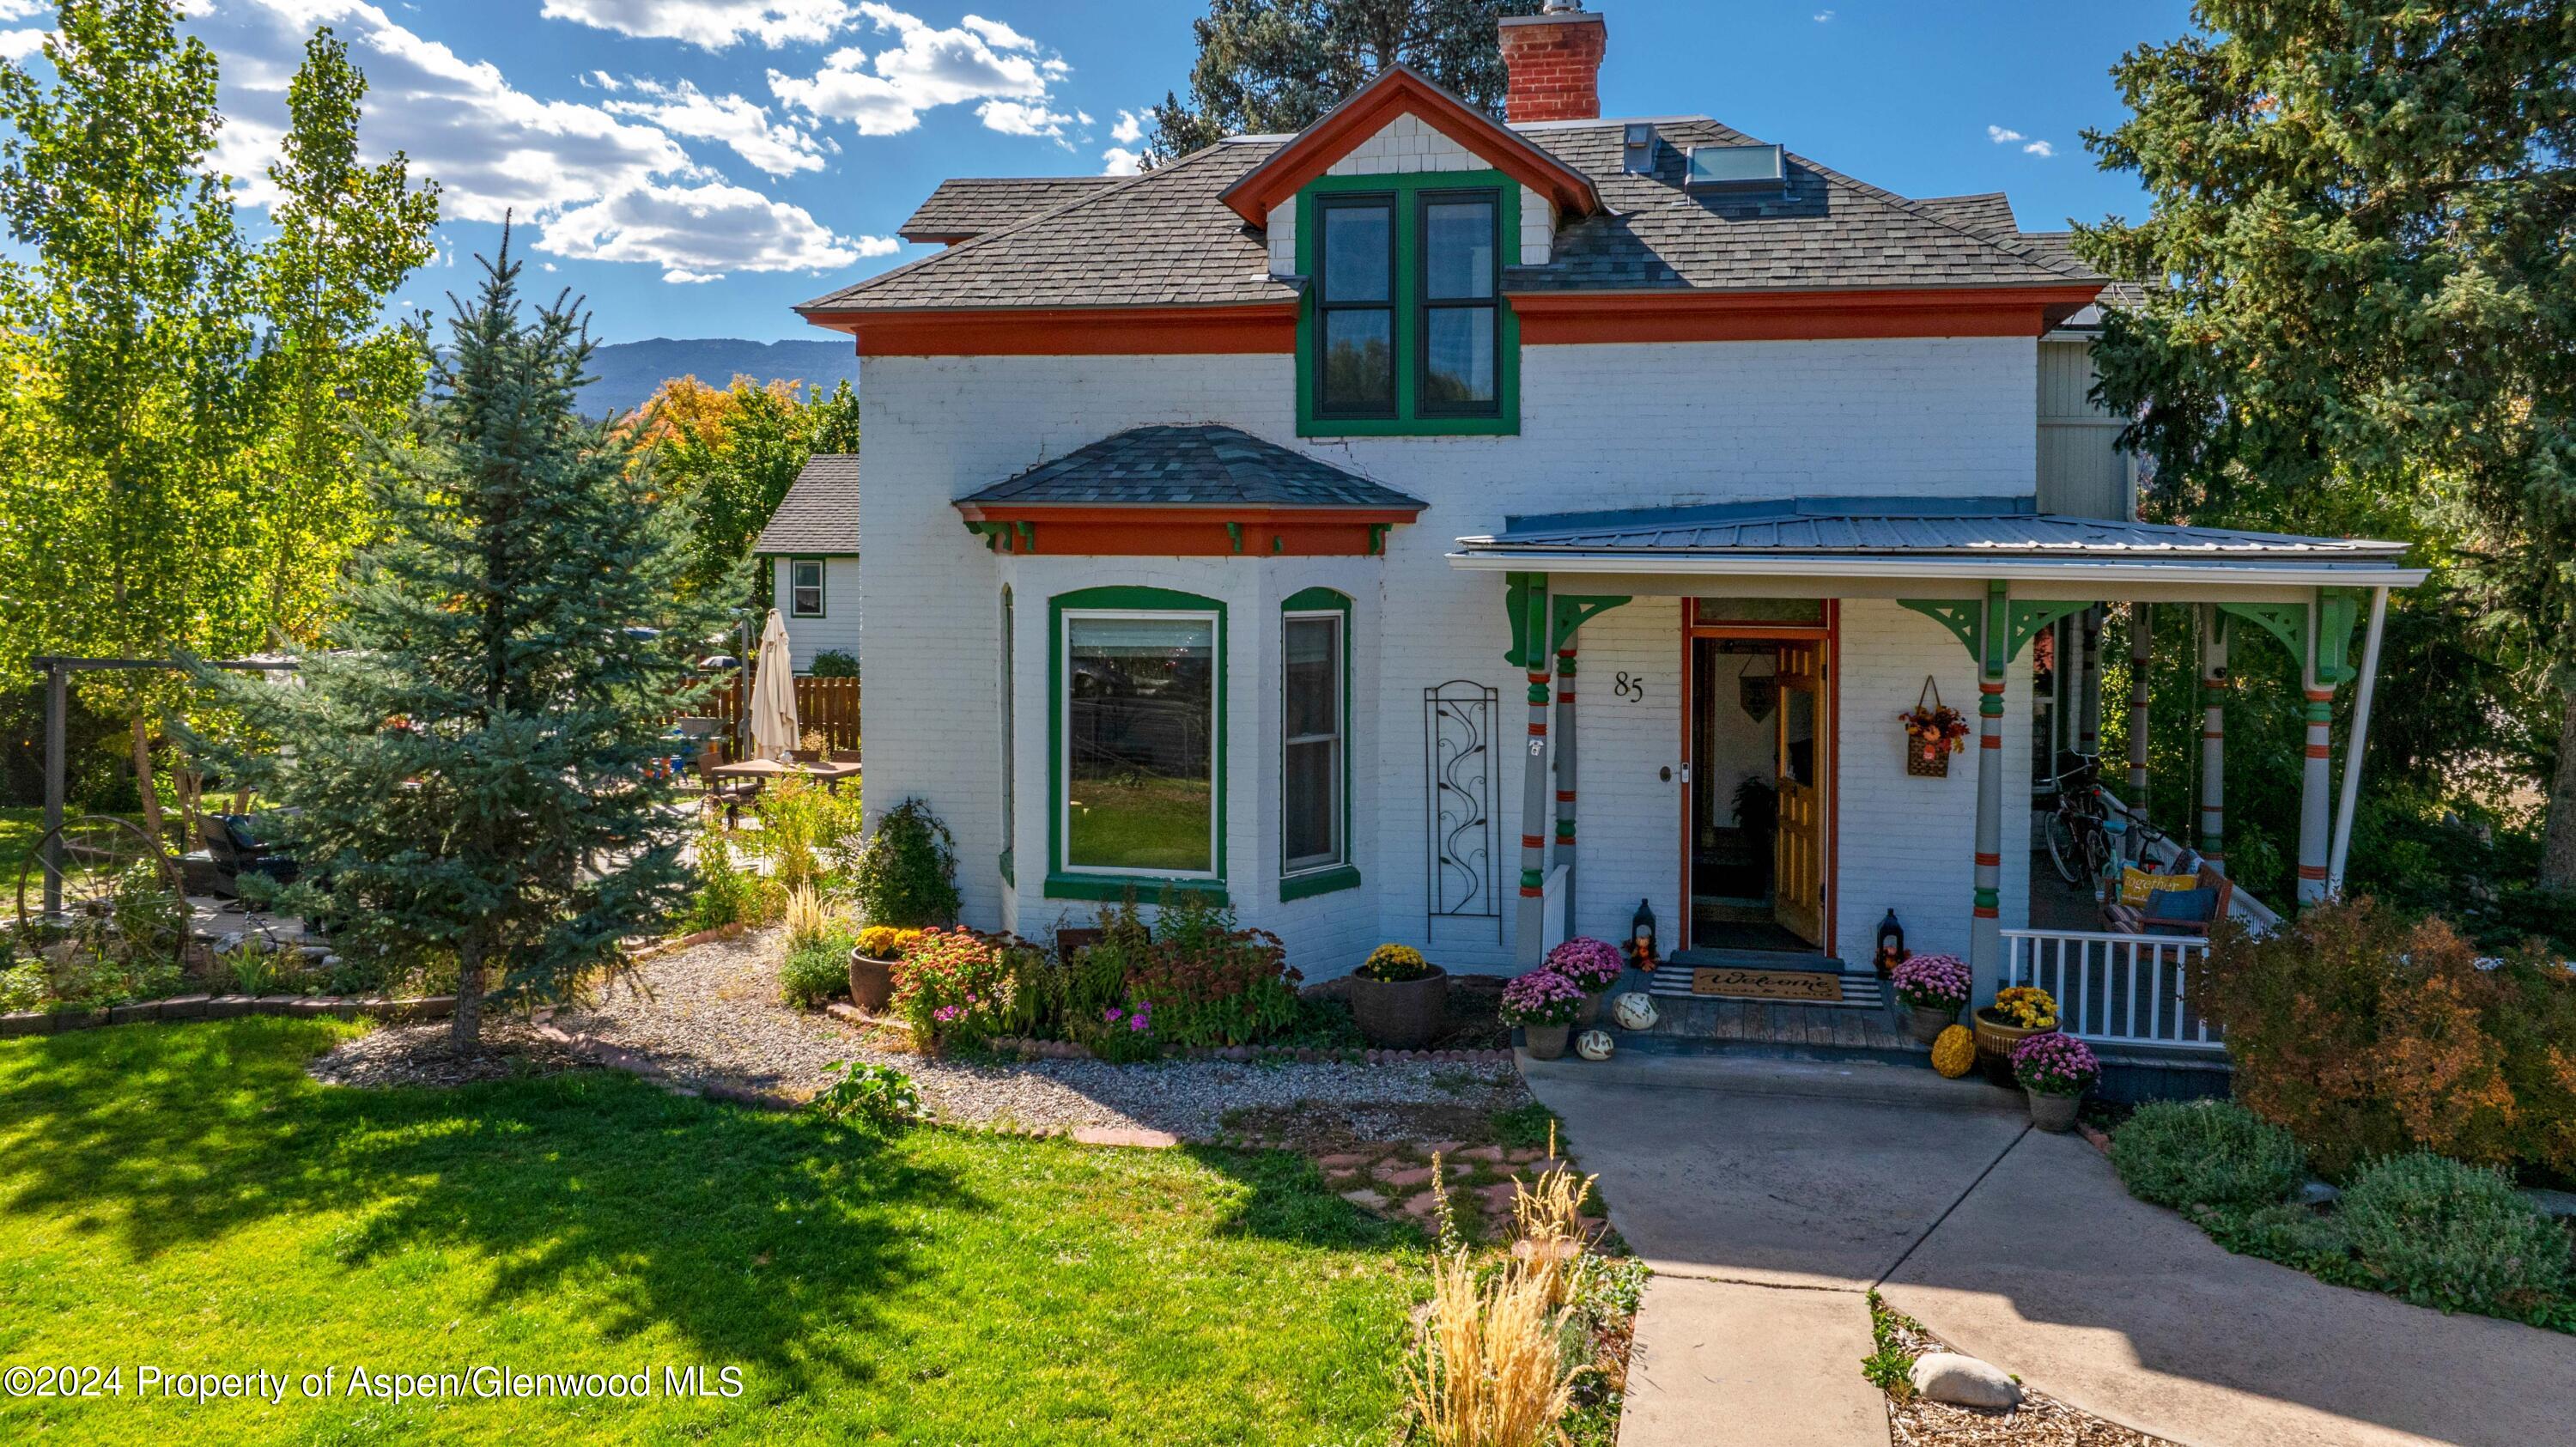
<point x="1541" y="997"/>
<point x="1207" y="982"/>
<point x="727" y="893"/>
<point x="22" y="987"/>
<point x="802" y="825"/>
<point x="2206" y="1153"/>
<point x="1932" y="982"/>
<point x="2055" y="1064"/>
<point x="834" y="663"/>
<point x="955" y="986"/>
<point x="869" y="1095"/>
<point x="1593" y="964"/>
<point x="815" y="971"/>
<point x="2368" y="1034"/>
<point x="1394" y="964"/>
<point x="907" y="873"/>
<point x="2439" y="1233"/>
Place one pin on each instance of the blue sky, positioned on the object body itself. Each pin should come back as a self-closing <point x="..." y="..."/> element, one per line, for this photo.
<point x="696" y="167"/>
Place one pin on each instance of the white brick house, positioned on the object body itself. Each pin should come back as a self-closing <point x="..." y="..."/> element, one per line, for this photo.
<point x="1247" y="525"/>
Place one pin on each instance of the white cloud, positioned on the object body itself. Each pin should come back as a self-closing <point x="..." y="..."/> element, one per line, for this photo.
<point x="744" y="125"/>
<point x="605" y="81"/>
<point x="1120" y="161"/>
<point x="698" y="233"/>
<point x="1129" y="130"/>
<point x="493" y="148"/>
<point x="1824" y="17"/>
<point x="1999" y="135"/>
<point x="2041" y="149"/>
<point x="709" y="24"/>
<point x="24" y="9"/>
<point x="884" y="94"/>
<point x="19" y="44"/>
<point x="1021" y="118"/>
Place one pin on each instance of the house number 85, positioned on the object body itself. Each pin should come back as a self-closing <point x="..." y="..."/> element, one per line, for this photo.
<point x="1628" y="686"/>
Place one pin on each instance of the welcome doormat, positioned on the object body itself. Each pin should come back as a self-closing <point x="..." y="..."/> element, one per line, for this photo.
<point x="1812" y="986"/>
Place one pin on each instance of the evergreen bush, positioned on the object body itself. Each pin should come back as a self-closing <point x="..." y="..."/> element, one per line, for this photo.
<point x="2438" y="1233"/>
<point x="2206" y="1153"/>
<point x="907" y="873"/>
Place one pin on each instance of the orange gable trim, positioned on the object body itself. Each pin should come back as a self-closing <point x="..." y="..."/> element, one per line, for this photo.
<point x="1069" y="331"/>
<point x="1397" y="91"/>
<point x="1148" y="531"/>
<point x="1563" y="318"/>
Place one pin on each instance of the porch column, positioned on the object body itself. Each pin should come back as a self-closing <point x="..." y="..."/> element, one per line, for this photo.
<point x="2141" y="657"/>
<point x="2213" y="736"/>
<point x="1529" y="948"/>
<point x="1986" y="925"/>
<point x="2352" y="745"/>
<point x="2088" y="678"/>
<point x="1565" y="756"/>
<point x="2316" y="782"/>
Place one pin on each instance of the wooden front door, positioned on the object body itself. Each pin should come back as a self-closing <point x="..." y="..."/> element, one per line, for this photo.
<point x="1798" y="868"/>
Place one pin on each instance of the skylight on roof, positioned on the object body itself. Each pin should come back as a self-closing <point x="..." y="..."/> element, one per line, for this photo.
<point x="1736" y="168"/>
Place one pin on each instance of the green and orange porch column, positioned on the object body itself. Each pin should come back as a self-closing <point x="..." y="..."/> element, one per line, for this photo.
<point x="2315" y="801"/>
<point x="2141" y="658"/>
<point x="1531" y="651"/>
<point x="1566" y="758"/>
<point x="1986" y="927"/>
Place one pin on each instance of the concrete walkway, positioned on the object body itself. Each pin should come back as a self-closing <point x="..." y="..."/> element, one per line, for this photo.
<point x="1770" y="1207"/>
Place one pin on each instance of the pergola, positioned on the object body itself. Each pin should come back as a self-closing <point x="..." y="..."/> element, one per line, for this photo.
<point x="1995" y="573"/>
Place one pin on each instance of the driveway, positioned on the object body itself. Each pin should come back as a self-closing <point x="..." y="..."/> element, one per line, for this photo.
<point x="1767" y="1218"/>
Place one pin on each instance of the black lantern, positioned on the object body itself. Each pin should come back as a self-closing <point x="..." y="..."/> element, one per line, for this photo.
<point x="1891" y="943"/>
<point x="1641" y="936"/>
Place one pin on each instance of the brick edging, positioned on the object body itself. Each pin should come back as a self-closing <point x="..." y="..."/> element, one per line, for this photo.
<point x="1033" y="1049"/>
<point x="226" y="1007"/>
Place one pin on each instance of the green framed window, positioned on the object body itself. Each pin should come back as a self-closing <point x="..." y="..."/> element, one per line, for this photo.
<point x="1404" y="330"/>
<point x="804" y="587"/>
<point x="1137" y="717"/>
<point x="1010" y="740"/>
<point x="1314" y="744"/>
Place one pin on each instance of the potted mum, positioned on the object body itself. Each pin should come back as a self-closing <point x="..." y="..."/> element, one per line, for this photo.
<point x="1596" y="965"/>
<point x="2019" y="1012"/>
<point x="1543" y="1004"/>
<point x="1400" y="999"/>
<point x="2054" y="1070"/>
<point x="872" y="963"/>
<point x="1934" y="989"/>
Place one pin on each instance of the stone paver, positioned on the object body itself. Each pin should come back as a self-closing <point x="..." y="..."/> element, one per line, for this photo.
<point x="2053" y="1271"/>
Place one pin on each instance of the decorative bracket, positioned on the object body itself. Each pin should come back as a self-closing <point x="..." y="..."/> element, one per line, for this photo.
<point x="1525" y="595"/>
<point x="1006" y="537"/>
<point x="2029" y="618"/>
<point x="2287" y="622"/>
<point x="1964" y="618"/>
<point x="1572" y="611"/>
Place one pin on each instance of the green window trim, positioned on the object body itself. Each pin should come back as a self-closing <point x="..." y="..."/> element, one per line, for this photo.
<point x="1407" y="192"/>
<point x="1340" y="873"/>
<point x="1065" y="881"/>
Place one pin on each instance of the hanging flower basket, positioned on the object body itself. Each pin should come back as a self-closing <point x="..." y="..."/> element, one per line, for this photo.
<point x="1933" y="732"/>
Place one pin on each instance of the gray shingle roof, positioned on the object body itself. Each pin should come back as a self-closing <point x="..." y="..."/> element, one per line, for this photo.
<point x="973" y="205"/>
<point x="1166" y="239"/>
<point x="1977" y="527"/>
<point x="2117" y="293"/>
<point x="820" y="514"/>
<point x="1189" y="467"/>
<point x="1159" y="239"/>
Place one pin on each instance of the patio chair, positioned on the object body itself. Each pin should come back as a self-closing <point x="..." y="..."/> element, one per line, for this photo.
<point x="234" y="847"/>
<point x="731" y="793"/>
<point x="2186" y="913"/>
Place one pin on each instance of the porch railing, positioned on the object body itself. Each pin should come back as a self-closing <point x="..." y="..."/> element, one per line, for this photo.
<point x="2116" y="989"/>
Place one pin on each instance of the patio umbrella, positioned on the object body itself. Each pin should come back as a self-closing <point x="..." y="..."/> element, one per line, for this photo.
<point x="774" y="731"/>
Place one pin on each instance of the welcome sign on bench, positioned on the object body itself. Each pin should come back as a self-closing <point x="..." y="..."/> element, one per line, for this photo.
<point x="1767" y="984"/>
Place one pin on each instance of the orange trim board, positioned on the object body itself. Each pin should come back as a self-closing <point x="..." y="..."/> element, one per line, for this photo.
<point x="1194" y="532"/>
<point x="1068" y="331"/>
<point x="1401" y="91"/>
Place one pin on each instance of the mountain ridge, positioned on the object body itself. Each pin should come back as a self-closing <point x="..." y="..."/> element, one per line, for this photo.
<point x="625" y="374"/>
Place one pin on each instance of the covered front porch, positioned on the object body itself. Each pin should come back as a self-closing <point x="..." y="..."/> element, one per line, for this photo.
<point x="1818" y="619"/>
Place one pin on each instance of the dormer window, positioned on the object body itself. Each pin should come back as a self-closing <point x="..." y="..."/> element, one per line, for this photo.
<point x="1405" y="330"/>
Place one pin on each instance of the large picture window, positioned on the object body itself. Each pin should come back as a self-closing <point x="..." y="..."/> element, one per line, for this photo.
<point x="1406" y="330"/>
<point x="1139" y="767"/>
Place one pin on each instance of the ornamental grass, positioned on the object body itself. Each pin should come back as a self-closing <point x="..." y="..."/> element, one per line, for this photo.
<point x="1490" y="1369"/>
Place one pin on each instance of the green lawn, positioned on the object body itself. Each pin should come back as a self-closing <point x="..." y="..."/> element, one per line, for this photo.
<point x="1133" y="822"/>
<point x="184" y="1196"/>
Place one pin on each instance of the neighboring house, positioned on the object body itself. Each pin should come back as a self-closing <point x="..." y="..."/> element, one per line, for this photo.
<point x="811" y="549"/>
<point x="1243" y="525"/>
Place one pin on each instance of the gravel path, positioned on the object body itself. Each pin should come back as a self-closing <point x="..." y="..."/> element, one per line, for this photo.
<point x="711" y="1012"/>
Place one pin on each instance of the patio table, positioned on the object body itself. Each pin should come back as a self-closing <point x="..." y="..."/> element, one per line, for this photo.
<point x="829" y="775"/>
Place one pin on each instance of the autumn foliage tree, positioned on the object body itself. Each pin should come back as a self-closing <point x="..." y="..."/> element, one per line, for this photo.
<point x="726" y="457"/>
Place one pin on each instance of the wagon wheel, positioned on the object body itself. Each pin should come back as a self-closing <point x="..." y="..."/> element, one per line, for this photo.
<point x="102" y="885"/>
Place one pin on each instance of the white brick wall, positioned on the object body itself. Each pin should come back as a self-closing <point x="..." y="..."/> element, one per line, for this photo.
<point x="1602" y="426"/>
<point x="1401" y="146"/>
<point x="839" y="627"/>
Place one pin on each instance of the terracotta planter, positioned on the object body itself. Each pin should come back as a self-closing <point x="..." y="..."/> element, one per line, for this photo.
<point x="2053" y="1112"/>
<point x="1926" y="1022"/>
<point x="1403" y="1015"/>
<point x="1545" y="1042"/>
<point x="871" y="982"/>
<point x="1996" y="1037"/>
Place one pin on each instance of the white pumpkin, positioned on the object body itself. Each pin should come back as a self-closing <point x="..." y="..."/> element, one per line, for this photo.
<point x="1595" y="1045"/>
<point x="1634" y="1011"/>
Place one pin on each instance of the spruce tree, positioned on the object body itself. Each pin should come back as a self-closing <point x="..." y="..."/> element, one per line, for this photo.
<point x="468" y="762"/>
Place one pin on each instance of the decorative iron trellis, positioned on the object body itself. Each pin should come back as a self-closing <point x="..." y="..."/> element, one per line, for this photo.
<point x="1458" y="802"/>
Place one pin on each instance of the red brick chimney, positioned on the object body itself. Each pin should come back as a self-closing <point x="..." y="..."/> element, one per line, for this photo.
<point x="1554" y="60"/>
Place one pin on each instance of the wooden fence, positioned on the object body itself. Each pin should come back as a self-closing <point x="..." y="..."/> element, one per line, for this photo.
<point x="827" y="705"/>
